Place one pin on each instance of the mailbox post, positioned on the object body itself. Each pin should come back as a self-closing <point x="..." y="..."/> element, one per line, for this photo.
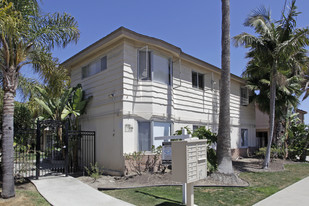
<point x="189" y="164"/>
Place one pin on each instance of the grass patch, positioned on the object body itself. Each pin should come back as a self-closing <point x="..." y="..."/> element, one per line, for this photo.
<point x="25" y="195"/>
<point x="262" y="185"/>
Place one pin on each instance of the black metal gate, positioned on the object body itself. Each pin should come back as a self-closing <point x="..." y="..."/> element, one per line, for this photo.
<point x="52" y="148"/>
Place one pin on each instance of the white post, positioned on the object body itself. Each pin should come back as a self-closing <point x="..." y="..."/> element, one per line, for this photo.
<point x="184" y="131"/>
<point x="184" y="193"/>
<point x="190" y="194"/>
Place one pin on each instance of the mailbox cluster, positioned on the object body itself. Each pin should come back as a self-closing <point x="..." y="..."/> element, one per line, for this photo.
<point x="189" y="160"/>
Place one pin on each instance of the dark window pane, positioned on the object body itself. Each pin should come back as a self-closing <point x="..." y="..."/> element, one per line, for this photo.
<point x="85" y="71"/>
<point x="143" y="71"/>
<point x="201" y="81"/>
<point x="194" y="79"/>
<point x="103" y="63"/>
<point x="195" y="127"/>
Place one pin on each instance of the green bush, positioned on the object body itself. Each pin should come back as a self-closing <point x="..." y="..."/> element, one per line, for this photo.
<point x="203" y="133"/>
<point x="93" y="171"/>
<point x="298" y="141"/>
<point x="275" y="152"/>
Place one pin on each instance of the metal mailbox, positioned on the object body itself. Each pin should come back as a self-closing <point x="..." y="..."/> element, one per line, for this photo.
<point x="189" y="160"/>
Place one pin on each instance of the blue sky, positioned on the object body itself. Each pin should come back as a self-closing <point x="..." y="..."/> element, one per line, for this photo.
<point x="194" y="26"/>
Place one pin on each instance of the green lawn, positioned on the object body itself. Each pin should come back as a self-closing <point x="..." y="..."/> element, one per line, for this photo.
<point x="261" y="186"/>
<point x="26" y="194"/>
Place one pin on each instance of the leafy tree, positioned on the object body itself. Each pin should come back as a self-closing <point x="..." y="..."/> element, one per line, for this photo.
<point x="71" y="102"/>
<point x="203" y="133"/>
<point x="224" y="138"/>
<point x="279" y="47"/>
<point x="298" y="141"/>
<point x="26" y="37"/>
<point x="54" y="107"/>
<point x="76" y="106"/>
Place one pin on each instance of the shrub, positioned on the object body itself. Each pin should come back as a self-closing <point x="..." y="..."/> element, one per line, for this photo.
<point x="135" y="161"/>
<point x="203" y="133"/>
<point x="298" y="141"/>
<point x="275" y="152"/>
<point x="94" y="171"/>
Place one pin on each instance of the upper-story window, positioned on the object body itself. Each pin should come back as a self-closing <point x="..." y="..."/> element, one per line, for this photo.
<point x="197" y="80"/>
<point x="244" y="96"/>
<point x="94" y="67"/>
<point x="152" y="66"/>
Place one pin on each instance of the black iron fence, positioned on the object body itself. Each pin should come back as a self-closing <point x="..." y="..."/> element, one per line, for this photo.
<point x="52" y="148"/>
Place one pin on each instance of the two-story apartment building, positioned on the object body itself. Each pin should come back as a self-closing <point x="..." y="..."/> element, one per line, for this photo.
<point x="144" y="87"/>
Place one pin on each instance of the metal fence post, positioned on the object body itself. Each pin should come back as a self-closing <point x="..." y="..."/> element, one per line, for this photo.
<point x="38" y="148"/>
<point x="66" y="147"/>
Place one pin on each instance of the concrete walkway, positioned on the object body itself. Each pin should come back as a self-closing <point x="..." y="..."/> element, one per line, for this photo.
<point x="63" y="191"/>
<point x="296" y="194"/>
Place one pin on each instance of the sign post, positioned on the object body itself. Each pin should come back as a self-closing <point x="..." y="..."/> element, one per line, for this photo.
<point x="189" y="161"/>
<point x="189" y="164"/>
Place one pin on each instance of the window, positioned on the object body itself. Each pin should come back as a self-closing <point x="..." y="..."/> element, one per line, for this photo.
<point x="160" y="129"/>
<point x="244" y="96"/>
<point x="195" y="127"/>
<point x="197" y="80"/>
<point x="94" y="67"/>
<point x="244" y="138"/>
<point x="146" y="138"/>
<point x="144" y="65"/>
<point x="152" y="66"/>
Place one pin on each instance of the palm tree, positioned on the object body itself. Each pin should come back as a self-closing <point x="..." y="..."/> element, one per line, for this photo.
<point x="224" y="139"/>
<point x="26" y="37"/>
<point x="279" y="46"/>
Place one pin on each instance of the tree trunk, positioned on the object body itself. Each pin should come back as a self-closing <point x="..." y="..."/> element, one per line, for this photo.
<point x="224" y="139"/>
<point x="8" y="189"/>
<point x="10" y="82"/>
<point x="271" y="114"/>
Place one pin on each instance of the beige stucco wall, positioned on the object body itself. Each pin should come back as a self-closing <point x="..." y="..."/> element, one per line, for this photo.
<point x="104" y="113"/>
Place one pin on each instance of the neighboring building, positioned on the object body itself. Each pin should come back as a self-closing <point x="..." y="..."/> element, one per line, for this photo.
<point x="144" y="87"/>
<point x="262" y="125"/>
<point x="301" y="115"/>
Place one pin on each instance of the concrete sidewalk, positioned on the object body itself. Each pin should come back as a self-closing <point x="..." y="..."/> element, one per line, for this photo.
<point x="296" y="194"/>
<point x="63" y="191"/>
